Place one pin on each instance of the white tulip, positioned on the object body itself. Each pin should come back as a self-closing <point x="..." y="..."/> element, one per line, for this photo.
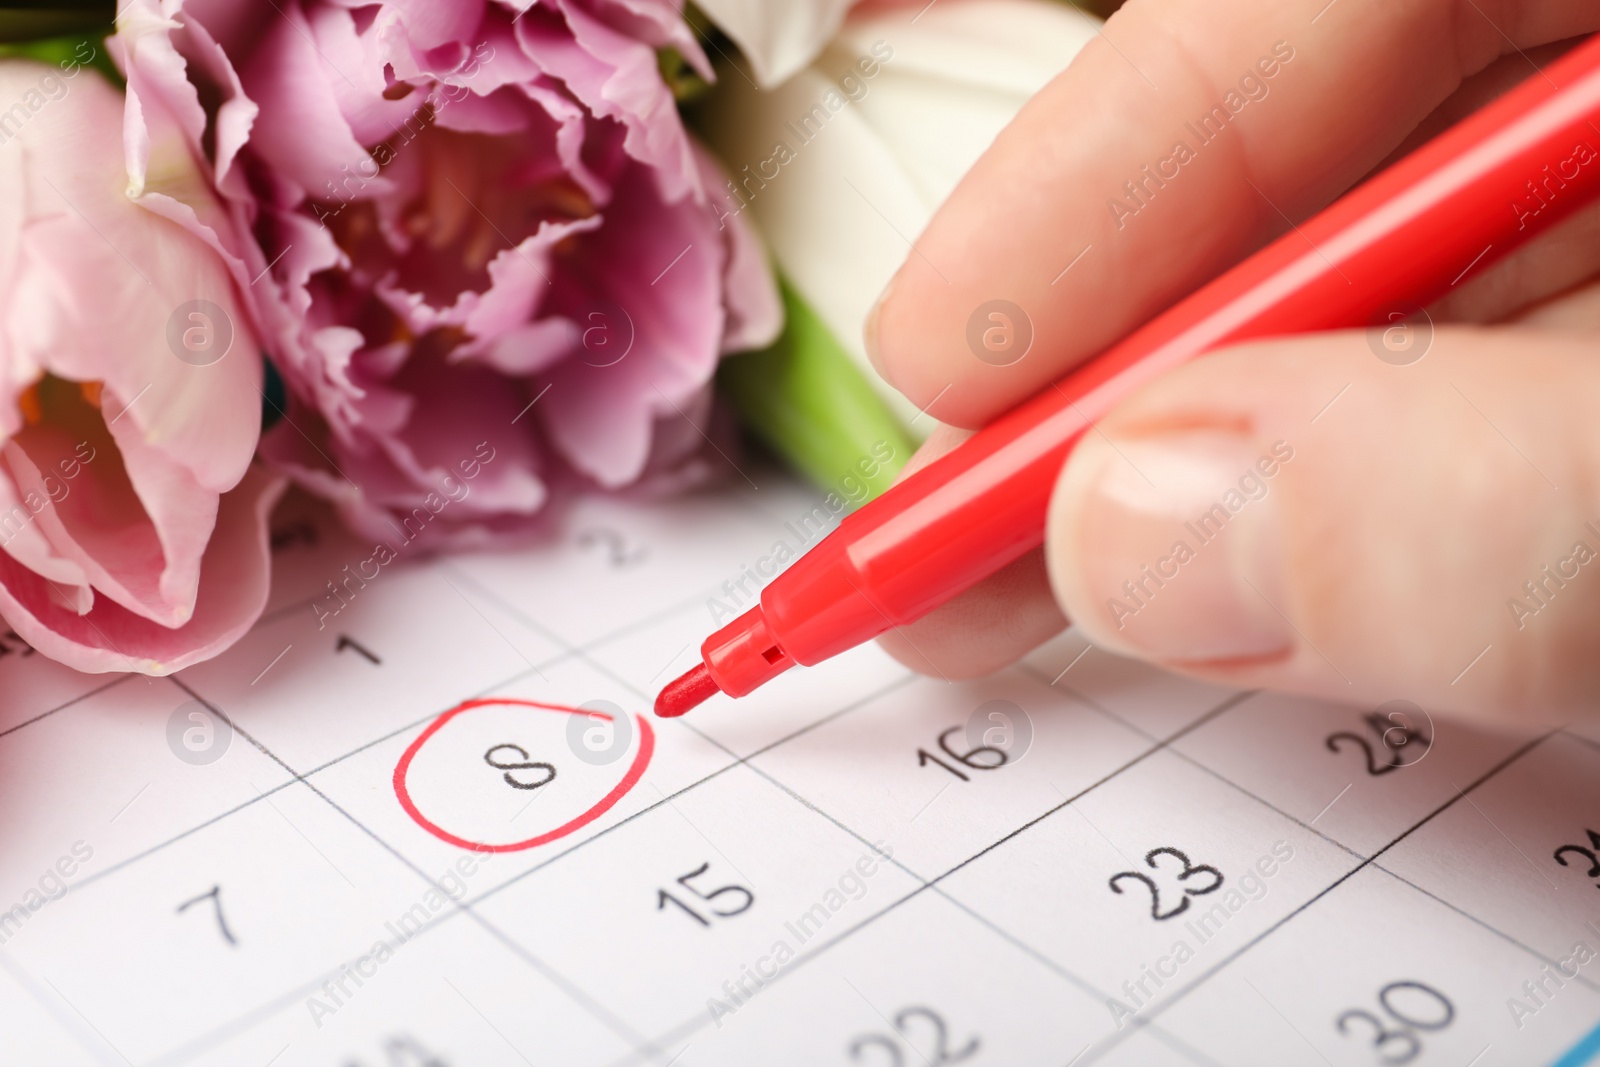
<point x="778" y="37"/>
<point x="842" y="165"/>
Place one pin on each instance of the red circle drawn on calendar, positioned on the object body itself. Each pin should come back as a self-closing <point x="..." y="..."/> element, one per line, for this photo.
<point x="641" y="760"/>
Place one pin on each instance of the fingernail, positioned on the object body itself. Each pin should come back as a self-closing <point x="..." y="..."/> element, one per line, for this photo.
<point x="1181" y="546"/>
<point x="869" y="331"/>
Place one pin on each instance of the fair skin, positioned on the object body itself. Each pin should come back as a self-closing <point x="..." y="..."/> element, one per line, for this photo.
<point x="1394" y="546"/>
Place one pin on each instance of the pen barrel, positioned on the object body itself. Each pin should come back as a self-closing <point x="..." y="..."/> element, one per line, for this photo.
<point x="885" y="567"/>
<point x="1402" y="239"/>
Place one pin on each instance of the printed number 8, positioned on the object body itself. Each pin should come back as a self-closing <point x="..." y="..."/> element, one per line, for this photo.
<point x="528" y="765"/>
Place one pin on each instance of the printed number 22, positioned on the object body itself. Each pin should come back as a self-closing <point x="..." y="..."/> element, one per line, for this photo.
<point x="942" y="1053"/>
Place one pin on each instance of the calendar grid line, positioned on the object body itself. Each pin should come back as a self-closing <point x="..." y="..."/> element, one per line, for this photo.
<point x="589" y="1002"/>
<point x="550" y="954"/>
<point x="1095" y="706"/>
<point x="1581" y="978"/>
<point x="1225" y="705"/>
<point x="923" y="881"/>
<point x="283" y="611"/>
<point x="419" y="567"/>
<point x="466" y="904"/>
<point x="580" y="648"/>
<point x="844" y="935"/>
<point x="106" y="1041"/>
<point x="460" y="909"/>
<point x="1159" y="746"/>
<point x="265" y="1010"/>
<point x="90" y="879"/>
<point x="238" y="1024"/>
<point x="698" y="1021"/>
<point x="1483" y="924"/>
<point x="737" y="761"/>
<point x="571" y="989"/>
<point x="73" y="1023"/>
<point x="64" y="705"/>
<point x="1110" y="713"/>
<point x="550" y="663"/>
<point x="927" y="884"/>
<point x="1178" y="995"/>
<point x="1044" y="959"/>
<point x="1071" y="977"/>
<point x="1139" y="1022"/>
<point x="230" y="1027"/>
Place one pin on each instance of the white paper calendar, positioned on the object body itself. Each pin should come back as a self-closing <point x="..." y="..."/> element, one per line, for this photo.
<point x="426" y="820"/>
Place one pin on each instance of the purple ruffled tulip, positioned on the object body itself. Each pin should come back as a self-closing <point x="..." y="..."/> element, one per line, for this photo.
<point x="484" y="257"/>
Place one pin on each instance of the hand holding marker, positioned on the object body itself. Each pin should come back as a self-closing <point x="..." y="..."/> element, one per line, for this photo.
<point x="1399" y="239"/>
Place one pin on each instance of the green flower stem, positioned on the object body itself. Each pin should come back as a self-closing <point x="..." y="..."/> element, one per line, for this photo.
<point x="68" y="52"/>
<point x="805" y="397"/>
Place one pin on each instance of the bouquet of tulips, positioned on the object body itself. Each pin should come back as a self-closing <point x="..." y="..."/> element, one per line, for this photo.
<point x="437" y="261"/>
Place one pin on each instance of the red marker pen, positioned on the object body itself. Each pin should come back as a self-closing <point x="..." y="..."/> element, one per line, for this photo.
<point x="1459" y="203"/>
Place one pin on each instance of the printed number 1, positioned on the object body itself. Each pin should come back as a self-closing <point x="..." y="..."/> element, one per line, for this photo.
<point x="345" y="641"/>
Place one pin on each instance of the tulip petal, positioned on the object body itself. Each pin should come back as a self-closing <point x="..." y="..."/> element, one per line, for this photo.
<point x="755" y="311"/>
<point x="778" y="39"/>
<point x="108" y="637"/>
<point x="133" y="365"/>
<point x="839" y="183"/>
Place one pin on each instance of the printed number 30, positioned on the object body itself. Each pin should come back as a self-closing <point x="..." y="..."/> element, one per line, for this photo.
<point x="1405" y="1032"/>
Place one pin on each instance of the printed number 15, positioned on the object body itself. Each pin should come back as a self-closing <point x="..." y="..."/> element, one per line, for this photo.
<point x="663" y="898"/>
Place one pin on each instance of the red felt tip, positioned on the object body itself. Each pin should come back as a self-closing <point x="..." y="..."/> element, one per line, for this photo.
<point x="688" y="692"/>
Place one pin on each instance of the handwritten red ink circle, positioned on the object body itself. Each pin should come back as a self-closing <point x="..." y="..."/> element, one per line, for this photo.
<point x="641" y="760"/>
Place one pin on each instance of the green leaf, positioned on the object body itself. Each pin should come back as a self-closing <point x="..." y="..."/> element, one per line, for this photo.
<point x="806" y="398"/>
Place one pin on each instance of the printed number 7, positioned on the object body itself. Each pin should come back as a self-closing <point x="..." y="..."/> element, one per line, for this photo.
<point x="663" y="898"/>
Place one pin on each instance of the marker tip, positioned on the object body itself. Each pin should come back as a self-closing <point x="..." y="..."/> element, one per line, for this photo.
<point x="686" y="693"/>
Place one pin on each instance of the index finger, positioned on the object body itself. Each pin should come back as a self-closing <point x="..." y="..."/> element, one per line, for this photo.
<point x="1182" y="138"/>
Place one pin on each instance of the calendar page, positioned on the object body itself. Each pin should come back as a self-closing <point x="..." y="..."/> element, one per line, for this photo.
<point x="421" y="817"/>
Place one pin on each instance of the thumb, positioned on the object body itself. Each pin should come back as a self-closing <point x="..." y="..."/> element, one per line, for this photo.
<point x="1304" y="515"/>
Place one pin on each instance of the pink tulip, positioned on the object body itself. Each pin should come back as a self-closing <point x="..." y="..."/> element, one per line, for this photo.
<point x="132" y="522"/>
<point x="482" y="242"/>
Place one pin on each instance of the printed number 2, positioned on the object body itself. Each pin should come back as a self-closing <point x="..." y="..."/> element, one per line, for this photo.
<point x="663" y="898"/>
<point x="618" y="552"/>
<point x="1586" y="853"/>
